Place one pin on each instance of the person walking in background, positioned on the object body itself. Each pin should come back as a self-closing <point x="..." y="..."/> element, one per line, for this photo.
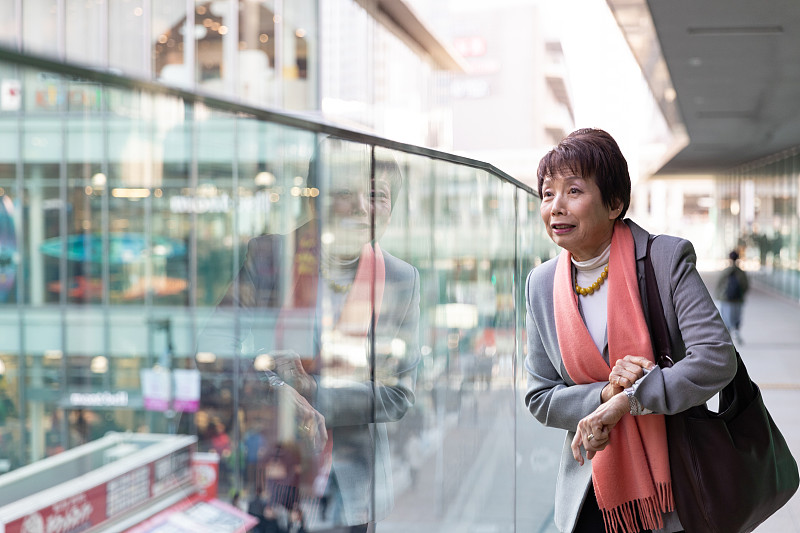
<point x="297" y="522"/>
<point x="730" y="292"/>
<point x="274" y="520"/>
<point x="590" y="360"/>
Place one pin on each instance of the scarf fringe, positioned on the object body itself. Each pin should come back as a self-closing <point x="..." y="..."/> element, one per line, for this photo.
<point x="649" y="511"/>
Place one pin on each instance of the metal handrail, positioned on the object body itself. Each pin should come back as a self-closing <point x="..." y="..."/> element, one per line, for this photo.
<point x="313" y="124"/>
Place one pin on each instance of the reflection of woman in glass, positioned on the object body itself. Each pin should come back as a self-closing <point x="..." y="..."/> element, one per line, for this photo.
<point x="337" y="318"/>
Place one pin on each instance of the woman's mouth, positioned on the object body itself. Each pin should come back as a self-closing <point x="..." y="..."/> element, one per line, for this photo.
<point x="560" y="229"/>
<point x="354" y="224"/>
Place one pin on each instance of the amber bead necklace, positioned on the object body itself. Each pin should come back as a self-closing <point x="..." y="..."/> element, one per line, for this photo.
<point x="585" y="291"/>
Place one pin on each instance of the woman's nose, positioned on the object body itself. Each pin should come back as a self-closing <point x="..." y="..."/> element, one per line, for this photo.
<point x="361" y="204"/>
<point x="557" y="205"/>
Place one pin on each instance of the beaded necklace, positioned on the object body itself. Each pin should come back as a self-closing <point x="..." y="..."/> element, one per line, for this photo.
<point x="592" y="264"/>
<point x="335" y="271"/>
<point x="585" y="291"/>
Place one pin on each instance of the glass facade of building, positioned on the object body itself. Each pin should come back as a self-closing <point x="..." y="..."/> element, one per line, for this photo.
<point x="759" y="215"/>
<point x="335" y="320"/>
<point x="340" y="59"/>
<point x="260" y="52"/>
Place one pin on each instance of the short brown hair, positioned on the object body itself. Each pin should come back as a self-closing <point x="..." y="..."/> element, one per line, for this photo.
<point x="591" y="153"/>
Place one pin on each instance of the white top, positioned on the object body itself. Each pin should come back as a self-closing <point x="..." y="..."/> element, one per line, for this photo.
<point x="594" y="306"/>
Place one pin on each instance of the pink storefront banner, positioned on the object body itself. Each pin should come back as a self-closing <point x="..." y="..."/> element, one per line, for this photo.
<point x="156" y="388"/>
<point x="187" y="390"/>
<point x="177" y="389"/>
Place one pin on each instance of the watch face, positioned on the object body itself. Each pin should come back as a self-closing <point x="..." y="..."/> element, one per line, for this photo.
<point x="273" y="379"/>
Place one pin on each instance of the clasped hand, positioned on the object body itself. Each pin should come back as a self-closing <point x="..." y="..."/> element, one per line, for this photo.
<point x="310" y="423"/>
<point x="289" y="367"/>
<point x="594" y="430"/>
<point x="299" y="392"/>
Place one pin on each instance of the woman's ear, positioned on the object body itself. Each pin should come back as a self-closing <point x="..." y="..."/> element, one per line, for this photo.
<point x="615" y="212"/>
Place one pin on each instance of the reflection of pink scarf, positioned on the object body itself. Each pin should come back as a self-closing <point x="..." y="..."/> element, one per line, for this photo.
<point x="300" y="308"/>
<point x="631" y="476"/>
<point x="357" y="311"/>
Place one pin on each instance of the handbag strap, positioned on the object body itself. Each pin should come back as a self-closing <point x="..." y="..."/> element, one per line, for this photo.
<point x="740" y="389"/>
<point x="655" y="311"/>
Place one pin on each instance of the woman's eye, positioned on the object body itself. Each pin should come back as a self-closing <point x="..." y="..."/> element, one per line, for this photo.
<point x="574" y="190"/>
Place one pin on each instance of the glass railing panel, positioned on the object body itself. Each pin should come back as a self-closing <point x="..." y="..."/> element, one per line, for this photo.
<point x="178" y="258"/>
<point x="538" y="448"/>
<point x="488" y="387"/>
<point x="411" y="439"/>
<point x="469" y="402"/>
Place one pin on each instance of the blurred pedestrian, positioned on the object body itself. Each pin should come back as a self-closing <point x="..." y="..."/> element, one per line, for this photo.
<point x="297" y="522"/>
<point x="273" y="520"/>
<point x="730" y="292"/>
<point x="256" y="508"/>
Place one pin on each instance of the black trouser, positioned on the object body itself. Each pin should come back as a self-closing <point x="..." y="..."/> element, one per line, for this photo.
<point x="363" y="528"/>
<point x="591" y="519"/>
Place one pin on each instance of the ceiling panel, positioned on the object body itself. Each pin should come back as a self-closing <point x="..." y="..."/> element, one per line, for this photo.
<point x="735" y="67"/>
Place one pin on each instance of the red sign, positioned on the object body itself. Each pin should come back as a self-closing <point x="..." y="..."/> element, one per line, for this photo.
<point x="108" y="500"/>
<point x="72" y="514"/>
<point x="206" y="473"/>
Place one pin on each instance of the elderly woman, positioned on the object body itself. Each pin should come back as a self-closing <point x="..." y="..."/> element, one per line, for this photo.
<point x="590" y="362"/>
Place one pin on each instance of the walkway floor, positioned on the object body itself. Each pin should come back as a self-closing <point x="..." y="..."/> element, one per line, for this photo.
<point x="770" y="347"/>
<point x="478" y="479"/>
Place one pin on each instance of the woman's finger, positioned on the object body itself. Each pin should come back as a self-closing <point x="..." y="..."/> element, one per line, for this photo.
<point x="576" y="447"/>
<point x="638" y="360"/>
<point x="598" y="447"/>
<point x="621" y="380"/>
<point x="625" y="373"/>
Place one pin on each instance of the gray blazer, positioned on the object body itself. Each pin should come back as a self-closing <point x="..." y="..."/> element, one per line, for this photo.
<point x="701" y="345"/>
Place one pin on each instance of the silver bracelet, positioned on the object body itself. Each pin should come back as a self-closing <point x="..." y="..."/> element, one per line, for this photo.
<point x="271" y="378"/>
<point x="634" y="403"/>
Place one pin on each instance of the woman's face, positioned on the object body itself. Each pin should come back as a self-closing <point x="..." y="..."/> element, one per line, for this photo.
<point x="351" y="212"/>
<point x="574" y="214"/>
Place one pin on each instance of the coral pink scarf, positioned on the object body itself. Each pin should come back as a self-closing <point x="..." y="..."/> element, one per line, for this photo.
<point x="631" y="476"/>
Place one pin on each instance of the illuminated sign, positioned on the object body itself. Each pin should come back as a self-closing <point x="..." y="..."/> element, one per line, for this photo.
<point x="259" y="202"/>
<point x="99" y="399"/>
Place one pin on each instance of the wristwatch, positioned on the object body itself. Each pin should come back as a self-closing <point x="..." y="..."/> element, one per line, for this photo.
<point x="634" y="403"/>
<point x="273" y="379"/>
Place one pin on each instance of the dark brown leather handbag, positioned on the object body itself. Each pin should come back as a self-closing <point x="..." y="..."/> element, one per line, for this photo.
<point x="730" y="470"/>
